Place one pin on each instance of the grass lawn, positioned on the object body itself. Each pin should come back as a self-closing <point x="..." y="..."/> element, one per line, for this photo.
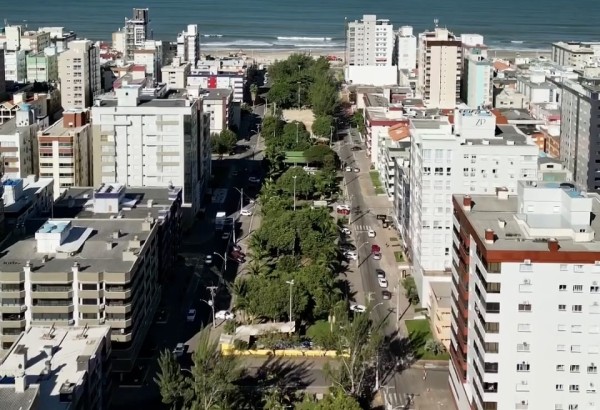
<point x="419" y="332"/>
<point x="376" y="182"/>
<point x="399" y="257"/>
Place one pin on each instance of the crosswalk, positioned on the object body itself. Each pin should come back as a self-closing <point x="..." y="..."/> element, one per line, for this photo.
<point x="362" y="228"/>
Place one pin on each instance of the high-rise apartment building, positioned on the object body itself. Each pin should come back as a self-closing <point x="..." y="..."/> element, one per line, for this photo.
<point x="35" y="42"/>
<point x="65" y="151"/>
<point x="440" y="61"/>
<point x="150" y="55"/>
<point x="139" y="140"/>
<point x="79" y="73"/>
<point x="2" y="72"/>
<point x="42" y="67"/>
<point x="370" y="42"/>
<point x="18" y="143"/>
<point x="525" y="269"/>
<point x="58" y="368"/>
<point x="407" y="48"/>
<point x="188" y="45"/>
<point x="478" y="87"/>
<point x="580" y="128"/>
<point x="473" y="155"/>
<point x="15" y="65"/>
<point x="575" y="53"/>
<point x="97" y="262"/>
<point x="136" y="32"/>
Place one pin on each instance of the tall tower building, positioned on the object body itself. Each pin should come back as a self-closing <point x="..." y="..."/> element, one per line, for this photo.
<point x="136" y="31"/>
<point x="2" y="74"/>
<point x="188" y="45"/>
<point x="370" y="42"/>
<point x="439" y="68"/>
<point x="79" y="74"/>
<point x="407" y="49"/>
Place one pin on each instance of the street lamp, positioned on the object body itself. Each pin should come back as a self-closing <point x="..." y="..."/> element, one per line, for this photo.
<point x="358" y="252"/>
<point x="224" y="259"/>
<point x="241" y="191"/>
<point x="297" y="132"/>
<point x="291" y="283"/>
<point x="294" y="177"/>
<point x="211" y="303"/>
<point x="299" y="94"/>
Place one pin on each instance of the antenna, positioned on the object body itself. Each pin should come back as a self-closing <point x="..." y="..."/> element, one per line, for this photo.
<point x="436" y="22"/>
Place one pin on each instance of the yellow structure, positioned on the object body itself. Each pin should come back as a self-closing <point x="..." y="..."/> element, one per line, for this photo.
<point x="440" y="312"/>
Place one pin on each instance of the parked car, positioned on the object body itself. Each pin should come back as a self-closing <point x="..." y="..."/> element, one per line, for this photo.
<point x="371" y="233"/>
<point x="347" y="247"/>
<point x="237" y="254"/>
<point x="179" y="350"/>
<point x="348" y="169"/>
<point x="356" y="169"/>
<point x="377" y="256"/>
<point x="191" y="315"/>
<point x="341" y="207"/>
<point x="246" y="212"/>
<point x="254" y="180"/>
<point x="224" y="315"/>
<point x="386" y="294"/>
<point x="236" y="248"/>
<point x="380" y="273"/>
<point x="346" y="231"/>
<point x="351" y="255"/>
<point x="225" y="236"/>
<point x="375" y="248"/>
<point x="208" y="260"/>
<point x="383" y="283"/>
<point x="356" y="148"/>
<point x="358" y="308"/>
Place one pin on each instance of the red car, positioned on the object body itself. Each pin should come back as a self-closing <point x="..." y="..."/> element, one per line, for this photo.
<point x="375" y="249"/>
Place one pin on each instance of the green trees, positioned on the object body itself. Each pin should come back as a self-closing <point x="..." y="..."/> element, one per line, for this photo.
<point x="323" y="96"/>
<point x="211" y="383"/>
<point x="410" y="290"/>
<point x="321" y="127"/>
<point x="295" y="176"/>
<point x="334" y="401"/>
<point x="434" y="347"/>
<point x="253" y="92"/>
<point x="224" y="142"/>
<point x="322" y="156"/>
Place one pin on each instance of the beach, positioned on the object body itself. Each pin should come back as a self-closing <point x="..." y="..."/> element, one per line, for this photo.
<point x="262" y="56"/>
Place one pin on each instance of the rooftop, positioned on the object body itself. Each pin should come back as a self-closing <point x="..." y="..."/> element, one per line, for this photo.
<point x="216" y="93"/>
<point x="9" y="127"/>
<point x="375" y="100"/>
<point x="31" y="188"/>
<point x="66" y="348"/>
<point x="154" y="102"/>
<point x="58" y="128"/>
<point x="442" y="291"/>
<point x="540" y="212"/>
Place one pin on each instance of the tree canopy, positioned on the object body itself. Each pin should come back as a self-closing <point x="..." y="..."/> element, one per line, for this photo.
<point x="321" y="127"/>
<point x="224" y="142"/>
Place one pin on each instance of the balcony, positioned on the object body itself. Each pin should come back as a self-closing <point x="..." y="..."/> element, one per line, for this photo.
<point x="117" y="292"/>
<point x="8" y="291"/>
<point x="51" y="292"/>
<point x="10" y="307"/>
<point x="119" y="323"/>
<point x="117" y="306"/>
<point x="52" y="308"/>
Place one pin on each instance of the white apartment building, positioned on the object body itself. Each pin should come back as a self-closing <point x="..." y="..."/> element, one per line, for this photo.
<point x="136" y="32"/>
<point x="525" y="329"/>
<point x="11" y="38"/>
<point x="17" y="144"/>
<point x="407" y="48"/>
<point x="15" y="65"/>
<point x="575" y="53"/>
<point x="150" y="55"/>
<point x="210" y="80"/>
<point x="188" y="45"/>
<point x="140" y="140"/>
<point x="59" y="37"/>
<point x="219" y="106"/>
<point x="440" y="62"/>
<point x="175" y="75"/>
<point x="394" y="147"/>
<point x="65" y="151"/>
<point x="478" y="84"/>
<point x="472" y="156"/>
<point x="79" y="73"/>
<point x="370" y="46"/>
<point x="35" y="41"/>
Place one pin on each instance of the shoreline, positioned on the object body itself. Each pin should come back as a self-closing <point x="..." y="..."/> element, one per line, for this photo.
<point x="270" y="55"/>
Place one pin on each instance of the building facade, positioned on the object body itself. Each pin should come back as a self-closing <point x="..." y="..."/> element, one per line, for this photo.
<point x="575" y="53"/>
<point x="136" y="32"/>
<point x="473" y="155"/>
<point x="188" y="45"/>
<point x="18" y="144"/>
<point x="145" y="141"/>
<point x="219" y="105"/>
<point x="42" y="67"/>
<point x="175" y="75"/>
<point x="440" y="61"/>
<point x="65" y="151"/>
<point x="580" y="128"/>
<point x="525" y="333"/>
<point x="407" y="48"/>
<point x="213" y="79"/>
<point x="479" y="81"/>
<point x="370" y="41"/>
<point x="15" y="66"/>
<point x="79" y="72"/>
<point x="95" y="264"/>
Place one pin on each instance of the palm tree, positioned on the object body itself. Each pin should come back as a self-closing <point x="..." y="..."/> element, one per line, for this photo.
<point x="434" y="347"/>
<point x="253" y="93"/>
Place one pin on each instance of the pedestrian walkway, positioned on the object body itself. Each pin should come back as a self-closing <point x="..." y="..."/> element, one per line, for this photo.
<point x="362" y="228"/>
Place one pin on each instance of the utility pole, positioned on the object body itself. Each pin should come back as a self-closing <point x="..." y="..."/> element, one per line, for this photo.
<point x="295" y="176"/>
<point x="212" y="290"/>
<point x="377" y="371"/>
<point x="297" y="128"/>
<point x="291" y="283"/>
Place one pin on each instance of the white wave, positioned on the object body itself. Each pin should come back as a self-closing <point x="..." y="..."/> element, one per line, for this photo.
<point x="516" y="41"/>
<point x="237" y="44"/>
<point x="212" y="35"/>
<point x="304" y="38"/>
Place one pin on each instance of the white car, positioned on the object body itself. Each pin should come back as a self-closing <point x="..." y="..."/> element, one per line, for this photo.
<point x="377" y="256"/>
<point x="254" y="180"/>
<point x="358" y="308"/>
<point x="352" y="255"/>
<point x="342" y="207"/>
<point x="208" y="260"/>
<point x="191" y="315"/>
<point x="179" y="350"/>
<point x="348" y="169"/>
<point x="371" y="233"/>
<point x="246" y="212"/>
<point x="224" y="315"/>
<point x="346" y="231"/>
<point x="383" y="283"/>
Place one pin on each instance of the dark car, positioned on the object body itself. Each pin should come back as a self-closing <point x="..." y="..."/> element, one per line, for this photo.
<point x="356" y="148"/>
<point x="236" y="248"/>
<point x="237" y="254"/>
<point x="380" y="273"/>
<point x="386" y="294"/>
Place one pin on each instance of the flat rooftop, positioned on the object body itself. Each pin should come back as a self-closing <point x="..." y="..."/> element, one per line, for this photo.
<point x="68" y="346"/>
<point x="136" y="203"/>
<point x="504" y="135"/>
<point x="216" y="94"/>
<point x="154" y="102"/>
<point x="442" y="292"/>
<point x="30" y="190"/>
<point x="489" y="212"/>
<point x="91" y="248"/>
<point x="375" y="100"/>
<point x="9" y="127"/>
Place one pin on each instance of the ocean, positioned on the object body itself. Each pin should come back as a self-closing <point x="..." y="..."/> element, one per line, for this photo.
<point x="306" y="24"/>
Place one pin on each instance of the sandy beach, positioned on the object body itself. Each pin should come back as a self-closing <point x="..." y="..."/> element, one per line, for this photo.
<point x="265" y="56"/>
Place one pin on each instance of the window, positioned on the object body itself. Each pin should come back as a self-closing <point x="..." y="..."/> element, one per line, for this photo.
<point x="427" y="171"/>
<point x="524" y="307"/>
<point x="559" y="387"/>
<point x="594" y="289"/>
<point x="560" y="367"/>
<point x="574" y="368"/>
<point x="560" y="348"/>
<point x="574" y="388"/>
<point x="575" y="349"/>
<point x="577" y="308"/>
<point x="562" y="308"/>
<point x="576" y="328"/>
<point x="523" y="367"/>
<point x="573" y="406"/>
<point x="562" y="288"/>
<point x="524" y="327"/>
<point x="564" y="268"/>
<point x="592" y="369"/>
<point x="562" y="328"/>
<point x="578" y="268"/>
<point x="577" y="288"/>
